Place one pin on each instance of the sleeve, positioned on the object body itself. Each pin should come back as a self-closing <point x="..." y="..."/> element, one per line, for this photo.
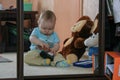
<point x="35" y="32"/>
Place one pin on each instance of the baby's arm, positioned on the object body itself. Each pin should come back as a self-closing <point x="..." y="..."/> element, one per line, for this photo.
<point x="55" y="48"/>
<point x="41" y="44"/>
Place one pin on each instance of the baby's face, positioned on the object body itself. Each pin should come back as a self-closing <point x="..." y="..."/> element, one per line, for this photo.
<point x="46" y="27"/>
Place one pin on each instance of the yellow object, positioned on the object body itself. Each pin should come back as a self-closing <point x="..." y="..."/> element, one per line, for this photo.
<point x="47" y="61"/>
<point x="25" y="1"/>
<point x="71" y="58"/>
<point x="68" y="61"/>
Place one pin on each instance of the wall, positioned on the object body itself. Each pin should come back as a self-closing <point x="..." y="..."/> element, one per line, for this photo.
<point x="67" y="13"/>
<point x="7" y="3"/>
<point x="90" y="8"/>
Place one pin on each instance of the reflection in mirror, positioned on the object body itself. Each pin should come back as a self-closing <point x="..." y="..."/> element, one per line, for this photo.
<point x="79" y="53"/>
<point x="8" y="39"/>
<point x="66" y="17"/>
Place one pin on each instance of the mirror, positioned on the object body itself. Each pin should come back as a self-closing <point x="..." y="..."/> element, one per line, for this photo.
<point x="67" y="16"/>
<point x="8" y="40"/>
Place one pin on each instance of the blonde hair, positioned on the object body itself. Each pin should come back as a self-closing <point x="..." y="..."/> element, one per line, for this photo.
<point x="47" y="15"/>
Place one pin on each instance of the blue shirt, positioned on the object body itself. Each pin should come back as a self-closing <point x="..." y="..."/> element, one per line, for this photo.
<point x="50" y="40"/>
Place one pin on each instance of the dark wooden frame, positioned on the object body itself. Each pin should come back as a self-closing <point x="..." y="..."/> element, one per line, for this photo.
<point x="99" y="76"/>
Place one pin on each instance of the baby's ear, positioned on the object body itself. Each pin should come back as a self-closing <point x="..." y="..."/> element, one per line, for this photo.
<point x="38" y="21"/>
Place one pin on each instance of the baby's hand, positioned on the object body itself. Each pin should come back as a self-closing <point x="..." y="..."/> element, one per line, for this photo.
<point x="44" y="46"/>
<point x="53" y="50"/>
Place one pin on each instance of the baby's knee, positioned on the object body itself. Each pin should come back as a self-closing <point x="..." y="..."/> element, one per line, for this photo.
<point x="30" y="55"/>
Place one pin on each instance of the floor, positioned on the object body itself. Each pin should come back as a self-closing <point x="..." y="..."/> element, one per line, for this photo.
<point x="9" y="69"/>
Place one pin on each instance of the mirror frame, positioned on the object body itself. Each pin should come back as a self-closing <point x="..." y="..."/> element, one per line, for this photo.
<point x="20" y="50"/>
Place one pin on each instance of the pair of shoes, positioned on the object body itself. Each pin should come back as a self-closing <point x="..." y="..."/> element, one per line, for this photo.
<point x="45" y="62"/>
<point x="63" y="63"/>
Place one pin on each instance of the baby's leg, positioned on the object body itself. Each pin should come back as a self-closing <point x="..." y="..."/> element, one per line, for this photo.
<point x="59" y="61"/>
<point x="33" y="58"/>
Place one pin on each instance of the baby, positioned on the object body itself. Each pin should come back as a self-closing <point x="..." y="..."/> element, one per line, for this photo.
<point x="44" y="39"/>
